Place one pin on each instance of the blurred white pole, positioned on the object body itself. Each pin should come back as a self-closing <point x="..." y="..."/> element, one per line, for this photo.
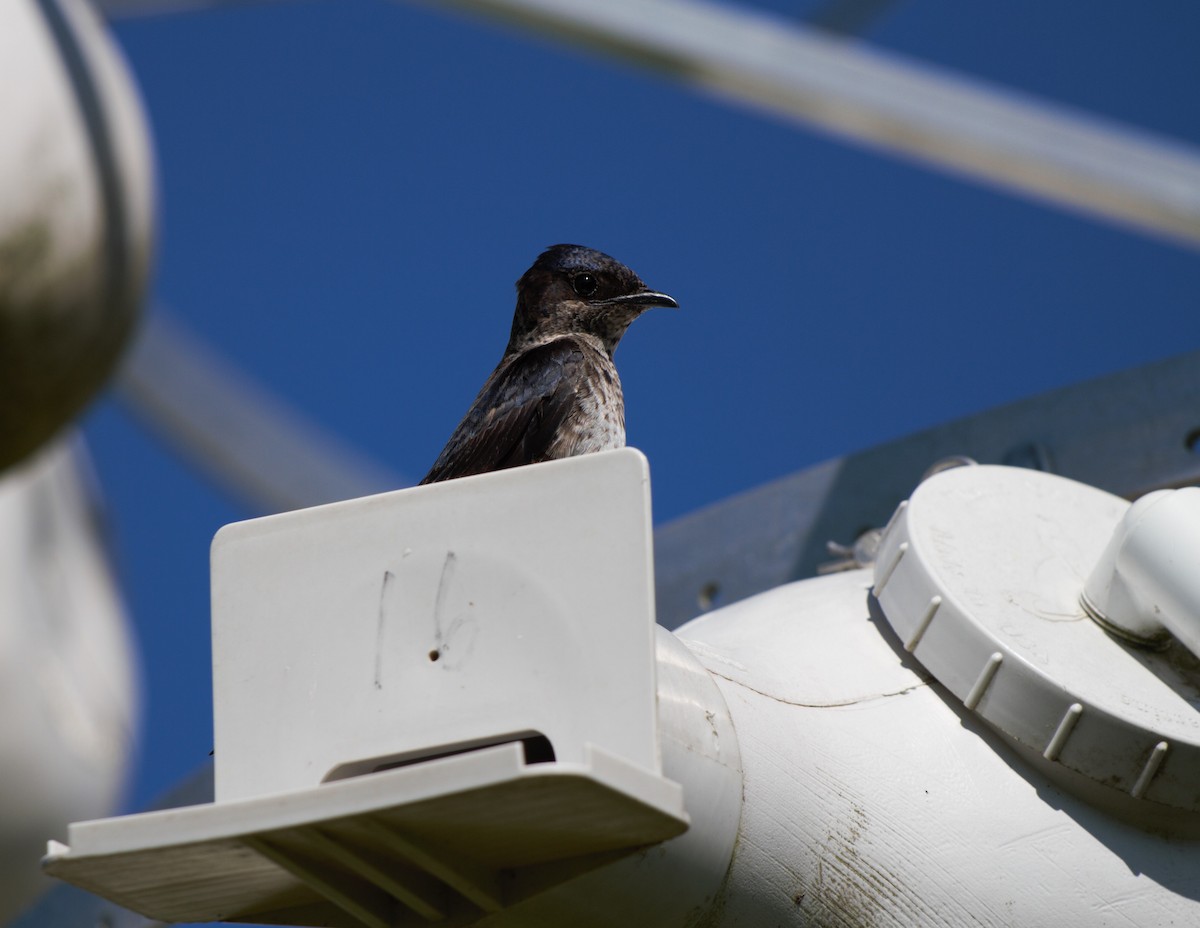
<point x="253" y="444"/>
<point x="944" y="120"/>
<point x="69" y="688"/>
<point x="118" y="8"/>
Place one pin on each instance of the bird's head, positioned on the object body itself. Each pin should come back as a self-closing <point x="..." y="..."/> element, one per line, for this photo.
<point x="572" y="289"/>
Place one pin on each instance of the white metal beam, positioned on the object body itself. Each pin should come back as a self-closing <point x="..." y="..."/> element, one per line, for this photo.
<point x="946" y="120"/>
<point x="265" y="451"/>
<point x="115" y="9"/>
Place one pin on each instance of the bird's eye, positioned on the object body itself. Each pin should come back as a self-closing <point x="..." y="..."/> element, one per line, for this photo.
<point x="584" y="284"/>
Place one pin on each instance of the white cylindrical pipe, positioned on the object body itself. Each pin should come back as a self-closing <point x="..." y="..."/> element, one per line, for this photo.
<point x="1146" y="585"/>
<point x="873" y="797"/>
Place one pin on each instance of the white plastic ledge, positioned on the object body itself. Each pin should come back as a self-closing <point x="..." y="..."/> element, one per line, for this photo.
<point x="459" y="837"/>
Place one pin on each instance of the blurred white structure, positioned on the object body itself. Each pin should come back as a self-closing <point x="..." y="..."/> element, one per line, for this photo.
<point x="76" y="218"/>
<point x="68" y="695"/>
<point x="75" y="228"/>
<point x="519" y="756"/>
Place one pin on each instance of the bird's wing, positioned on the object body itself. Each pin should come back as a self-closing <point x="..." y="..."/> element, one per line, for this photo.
<point x="516" y="415"/>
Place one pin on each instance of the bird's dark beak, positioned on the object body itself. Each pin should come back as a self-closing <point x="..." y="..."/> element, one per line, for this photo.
<point x="642" y="298"/>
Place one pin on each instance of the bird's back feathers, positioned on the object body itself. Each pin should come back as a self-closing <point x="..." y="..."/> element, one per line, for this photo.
<point x="522" y="414"/>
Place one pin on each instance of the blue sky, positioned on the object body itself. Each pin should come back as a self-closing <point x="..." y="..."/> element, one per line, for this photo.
<point x="350" y="188"/>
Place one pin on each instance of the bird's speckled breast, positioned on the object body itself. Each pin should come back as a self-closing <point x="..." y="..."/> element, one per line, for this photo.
<point x="598" y="422"/>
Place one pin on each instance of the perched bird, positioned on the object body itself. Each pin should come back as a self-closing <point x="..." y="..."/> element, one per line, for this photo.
<point x="555" y="393"/>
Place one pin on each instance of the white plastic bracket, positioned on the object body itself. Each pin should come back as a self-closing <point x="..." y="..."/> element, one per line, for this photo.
<point x="369" y="633"/>
<point x="375" y="663"/>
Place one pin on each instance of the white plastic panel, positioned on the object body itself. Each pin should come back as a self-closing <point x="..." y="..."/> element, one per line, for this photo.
<point x="370" y="632"/>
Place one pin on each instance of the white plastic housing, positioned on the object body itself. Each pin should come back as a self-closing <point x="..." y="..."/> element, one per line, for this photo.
<point x="449" y="703"/>
<point x="1146" y="584"/>
<point x="828" y="777"/>
<point x="980" y="573"/>
<point x="872" y="797"/>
